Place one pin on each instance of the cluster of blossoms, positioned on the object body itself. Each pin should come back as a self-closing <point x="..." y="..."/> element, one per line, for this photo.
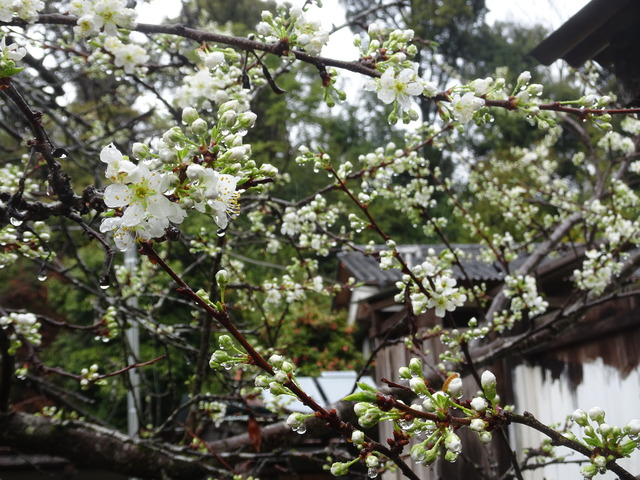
<point x="453" y="339"/>
<point x="437" y="289"/>
<point x="597" y="271"/>
<point x="608" y="442"/>
<point x="95" y="16"/>
<point x="90" y="376"/>
<point x="125" y="55"/>
<point x="111" y="328"/>
<point x="522" y="290"/>
<point x="390" y="53"/>
<point x="296" y="27"/>
<point x="309" y="223"/>
<point x="428" y="423"/>
<point x="22" y="327"/>
<point x="215" y="410"/>
<point x="227" y="355"/>
<point x="283" y="372"/>
<point x="15" y="242"/>
<point x="468" y="100"/>
<point x="381" y="170"/>
<point x="25" y="9"/>
<point x="141" y="195"/>
<point x="398" y="87"/>
<point x="150" y="196"/>
<point x="9" y="55"/>
<point x="17" y="239"/>
<point x="215" y="82"/>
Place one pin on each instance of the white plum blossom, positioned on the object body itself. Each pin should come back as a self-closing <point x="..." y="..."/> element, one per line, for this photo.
<point x="463" y="107"/>
<point x="118" y="166"/>
<point x="597" y="271"/>
<point x="126" y="56"/>
<point x="481" y="86"/>
<point x="140" y="194"/>
<point x="523" y="292"/>
<point x="106" y="15"/>
<point x="21" y="326"/>
<point x="309" y="34"/>
<point x="212" y="59"/>
<point x="24" y="9"/>
<point x="13" y="51"/>
<point x="391" y="87"/>
<point x="225" y="205"/>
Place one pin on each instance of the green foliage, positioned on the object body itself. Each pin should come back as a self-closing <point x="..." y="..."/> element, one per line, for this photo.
<point x="316" y="340"/>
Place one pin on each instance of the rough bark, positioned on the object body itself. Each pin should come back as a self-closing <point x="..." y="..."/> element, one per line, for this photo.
<point x="88" y="445"/>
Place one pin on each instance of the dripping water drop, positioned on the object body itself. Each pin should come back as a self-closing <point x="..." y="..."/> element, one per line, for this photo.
<point x="104" y="282"/>
<point x="16" y="222"/>
<point x="221" y="232"/>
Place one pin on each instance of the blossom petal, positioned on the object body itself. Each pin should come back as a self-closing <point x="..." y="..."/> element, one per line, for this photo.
<point x="117" y="195"/>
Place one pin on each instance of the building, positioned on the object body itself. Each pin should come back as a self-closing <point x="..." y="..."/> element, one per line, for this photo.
<point x="594" y="363"/>
<point x="606" y="31"/>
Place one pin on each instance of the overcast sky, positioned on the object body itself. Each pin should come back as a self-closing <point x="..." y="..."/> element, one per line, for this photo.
<point x="550" y="13"/>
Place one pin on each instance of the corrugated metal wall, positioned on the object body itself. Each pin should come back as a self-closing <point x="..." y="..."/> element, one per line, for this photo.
<point x="552" y="399"/>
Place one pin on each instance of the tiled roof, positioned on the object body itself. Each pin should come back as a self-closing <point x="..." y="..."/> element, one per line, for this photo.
<point x="366" y="269"/>
<point x="590" y="33"/>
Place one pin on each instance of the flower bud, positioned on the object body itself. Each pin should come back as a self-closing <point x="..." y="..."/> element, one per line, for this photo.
<point x="477" y="425"/>
<point x="597" y="414"/>
<point x="222" y="278"/>
<point x="524" y="78"/>
<point x="488" y="382"/>
<point x="600" y="462"/>
<point x="415" y="366"/>
<point x="247" y="119"/>
<point x="296" y="420"/>
<point x="454" y="388"/>
<point x="262" y="381"/>
<point x="580" y="417"/>
<point x="418" y="386"/>
<point x="339" y="469"/>
<point x="276" y="360"/>
<point x="452" y="443"/>
<point x="189" y="115"/>
<point x="199" y="126"/>
<point x="195" y="171"/>
<point x="479" y="404"/>
<point x="357" y="437"/>
<point x="370" y="418"/>
<point x="140" y="150"/>
<point x="589" y="471"/>
<point x="226" y="343"/>
<point x="281" y="377"/>
<point x="633" y="427"/>
<point x="605" y="429"/>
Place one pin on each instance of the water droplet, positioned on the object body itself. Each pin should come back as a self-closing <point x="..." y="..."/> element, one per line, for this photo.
<point x="372" y="472"/>
<point x="104" y="282"/>
<point x="16" y="222"/>
<point x="221" y="232"/>
<point x="301" y="430"/>
<point x="227" y="366"/>
<point x="42" y="277"/>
